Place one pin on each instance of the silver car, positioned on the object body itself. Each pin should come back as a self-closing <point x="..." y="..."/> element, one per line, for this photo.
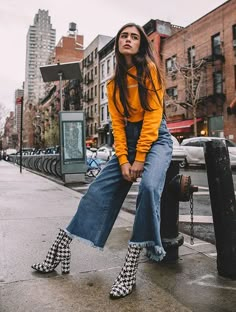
<point x="194" y="150"/>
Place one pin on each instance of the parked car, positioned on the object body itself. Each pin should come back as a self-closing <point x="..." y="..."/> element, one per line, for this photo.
<point x="105" y="152"/>
<point x="194" y="150"/>
<point x="178" y="151"/>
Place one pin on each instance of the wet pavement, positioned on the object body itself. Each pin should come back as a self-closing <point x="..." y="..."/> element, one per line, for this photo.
<point x="32" y="208"/>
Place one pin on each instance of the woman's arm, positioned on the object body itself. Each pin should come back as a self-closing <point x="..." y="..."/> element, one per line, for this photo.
<point x="152" y="119"/>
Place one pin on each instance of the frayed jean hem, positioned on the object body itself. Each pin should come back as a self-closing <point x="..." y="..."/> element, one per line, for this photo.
<point x="83" y="240"/>
<point x="155" y="253"/>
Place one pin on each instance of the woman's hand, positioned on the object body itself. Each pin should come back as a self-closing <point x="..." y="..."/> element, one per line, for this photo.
<point x="131" y="173"/>
<point x="136" y="170"/>
<point x="125" y="170"/>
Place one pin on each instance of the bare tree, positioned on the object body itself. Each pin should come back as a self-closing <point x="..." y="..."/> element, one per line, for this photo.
<point x="193" y="75"/>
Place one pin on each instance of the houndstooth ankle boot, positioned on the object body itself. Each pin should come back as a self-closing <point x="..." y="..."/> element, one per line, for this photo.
<point x="126" y="280"/>
<point x="59" y="252"/>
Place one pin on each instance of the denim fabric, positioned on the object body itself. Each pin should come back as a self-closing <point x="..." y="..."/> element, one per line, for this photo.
<point x="99" y="207"/>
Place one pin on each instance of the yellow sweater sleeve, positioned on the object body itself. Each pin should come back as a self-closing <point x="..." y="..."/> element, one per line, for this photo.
<point x="152" y="119"/>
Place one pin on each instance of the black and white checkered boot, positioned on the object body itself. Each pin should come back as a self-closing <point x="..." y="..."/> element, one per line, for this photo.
<point x="58" y="253"/>
<point x="126" y="280"/>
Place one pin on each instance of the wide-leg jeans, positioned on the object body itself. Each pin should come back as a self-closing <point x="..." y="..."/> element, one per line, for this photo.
<point x="100" y="206"/>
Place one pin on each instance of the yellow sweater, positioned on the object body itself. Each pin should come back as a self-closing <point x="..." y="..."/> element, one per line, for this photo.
<point x="151" y="119"/>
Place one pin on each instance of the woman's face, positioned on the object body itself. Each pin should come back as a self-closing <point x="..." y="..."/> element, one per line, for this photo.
<point x="129" y="41"/>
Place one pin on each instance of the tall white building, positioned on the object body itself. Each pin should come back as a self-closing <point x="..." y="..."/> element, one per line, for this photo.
<point x="41" y="39"/>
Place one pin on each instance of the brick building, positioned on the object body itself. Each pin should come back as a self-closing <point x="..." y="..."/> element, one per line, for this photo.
<point x="70" y="47"/>
<point x="200" y="69"/>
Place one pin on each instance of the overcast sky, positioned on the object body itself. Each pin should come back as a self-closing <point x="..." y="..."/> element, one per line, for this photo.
<point x="92" y="17"/>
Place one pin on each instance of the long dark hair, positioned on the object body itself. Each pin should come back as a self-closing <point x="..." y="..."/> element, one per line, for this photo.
<point x="140" y="60"/>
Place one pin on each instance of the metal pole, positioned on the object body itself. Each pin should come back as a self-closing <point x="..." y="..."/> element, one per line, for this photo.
<point x="60" y="86"/>
<point x="21" y="133"/>
<point x="60" y="123"/>
<point x="223" y="205"/>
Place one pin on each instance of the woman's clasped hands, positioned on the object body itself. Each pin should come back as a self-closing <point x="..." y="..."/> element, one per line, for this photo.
<point x="132" y="172"/>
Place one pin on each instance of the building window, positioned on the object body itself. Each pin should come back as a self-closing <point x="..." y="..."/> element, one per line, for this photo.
<point x="234" y="31"/>
<point x="95" y="71"/>
<point x="108" y="67"/>
<point x="96" y="53"/>
<point x="95" y="90"/>
<point x="102" y="92"/>
<point x="172" y="93"/>
<point x="216" y="44"/>
<point x="235" y="77"/>
<point x="171" y="64"/>
<point x="91" y="129"/>
<point x="218" y="82"/>
<point x="114" y="61"/>
<point x="102" y="72"/>
<point x="191" y="55"/>
<point x="234" y="36"/>
<point x="102" y="113"/>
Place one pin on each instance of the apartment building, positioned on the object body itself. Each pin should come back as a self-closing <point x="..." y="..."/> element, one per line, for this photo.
<point x="200" y="69"/>
<point x="91" y="90"/>
<point x="107" y="64"/>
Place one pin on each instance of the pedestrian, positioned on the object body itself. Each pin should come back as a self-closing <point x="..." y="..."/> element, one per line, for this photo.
<point x="143" y="148"/>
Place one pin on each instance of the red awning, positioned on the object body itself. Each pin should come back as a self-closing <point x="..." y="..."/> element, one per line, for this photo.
<point x="181" y="126"/>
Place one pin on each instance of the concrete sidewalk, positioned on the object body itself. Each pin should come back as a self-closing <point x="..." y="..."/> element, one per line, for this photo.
<point x="32" y="208"/>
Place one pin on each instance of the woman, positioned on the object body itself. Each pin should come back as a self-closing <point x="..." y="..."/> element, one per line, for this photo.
<point x="143" y="149"/>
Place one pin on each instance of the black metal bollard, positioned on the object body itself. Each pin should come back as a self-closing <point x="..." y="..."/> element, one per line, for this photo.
<point x="171" y="238"/>
<point x="223" y="205"/>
